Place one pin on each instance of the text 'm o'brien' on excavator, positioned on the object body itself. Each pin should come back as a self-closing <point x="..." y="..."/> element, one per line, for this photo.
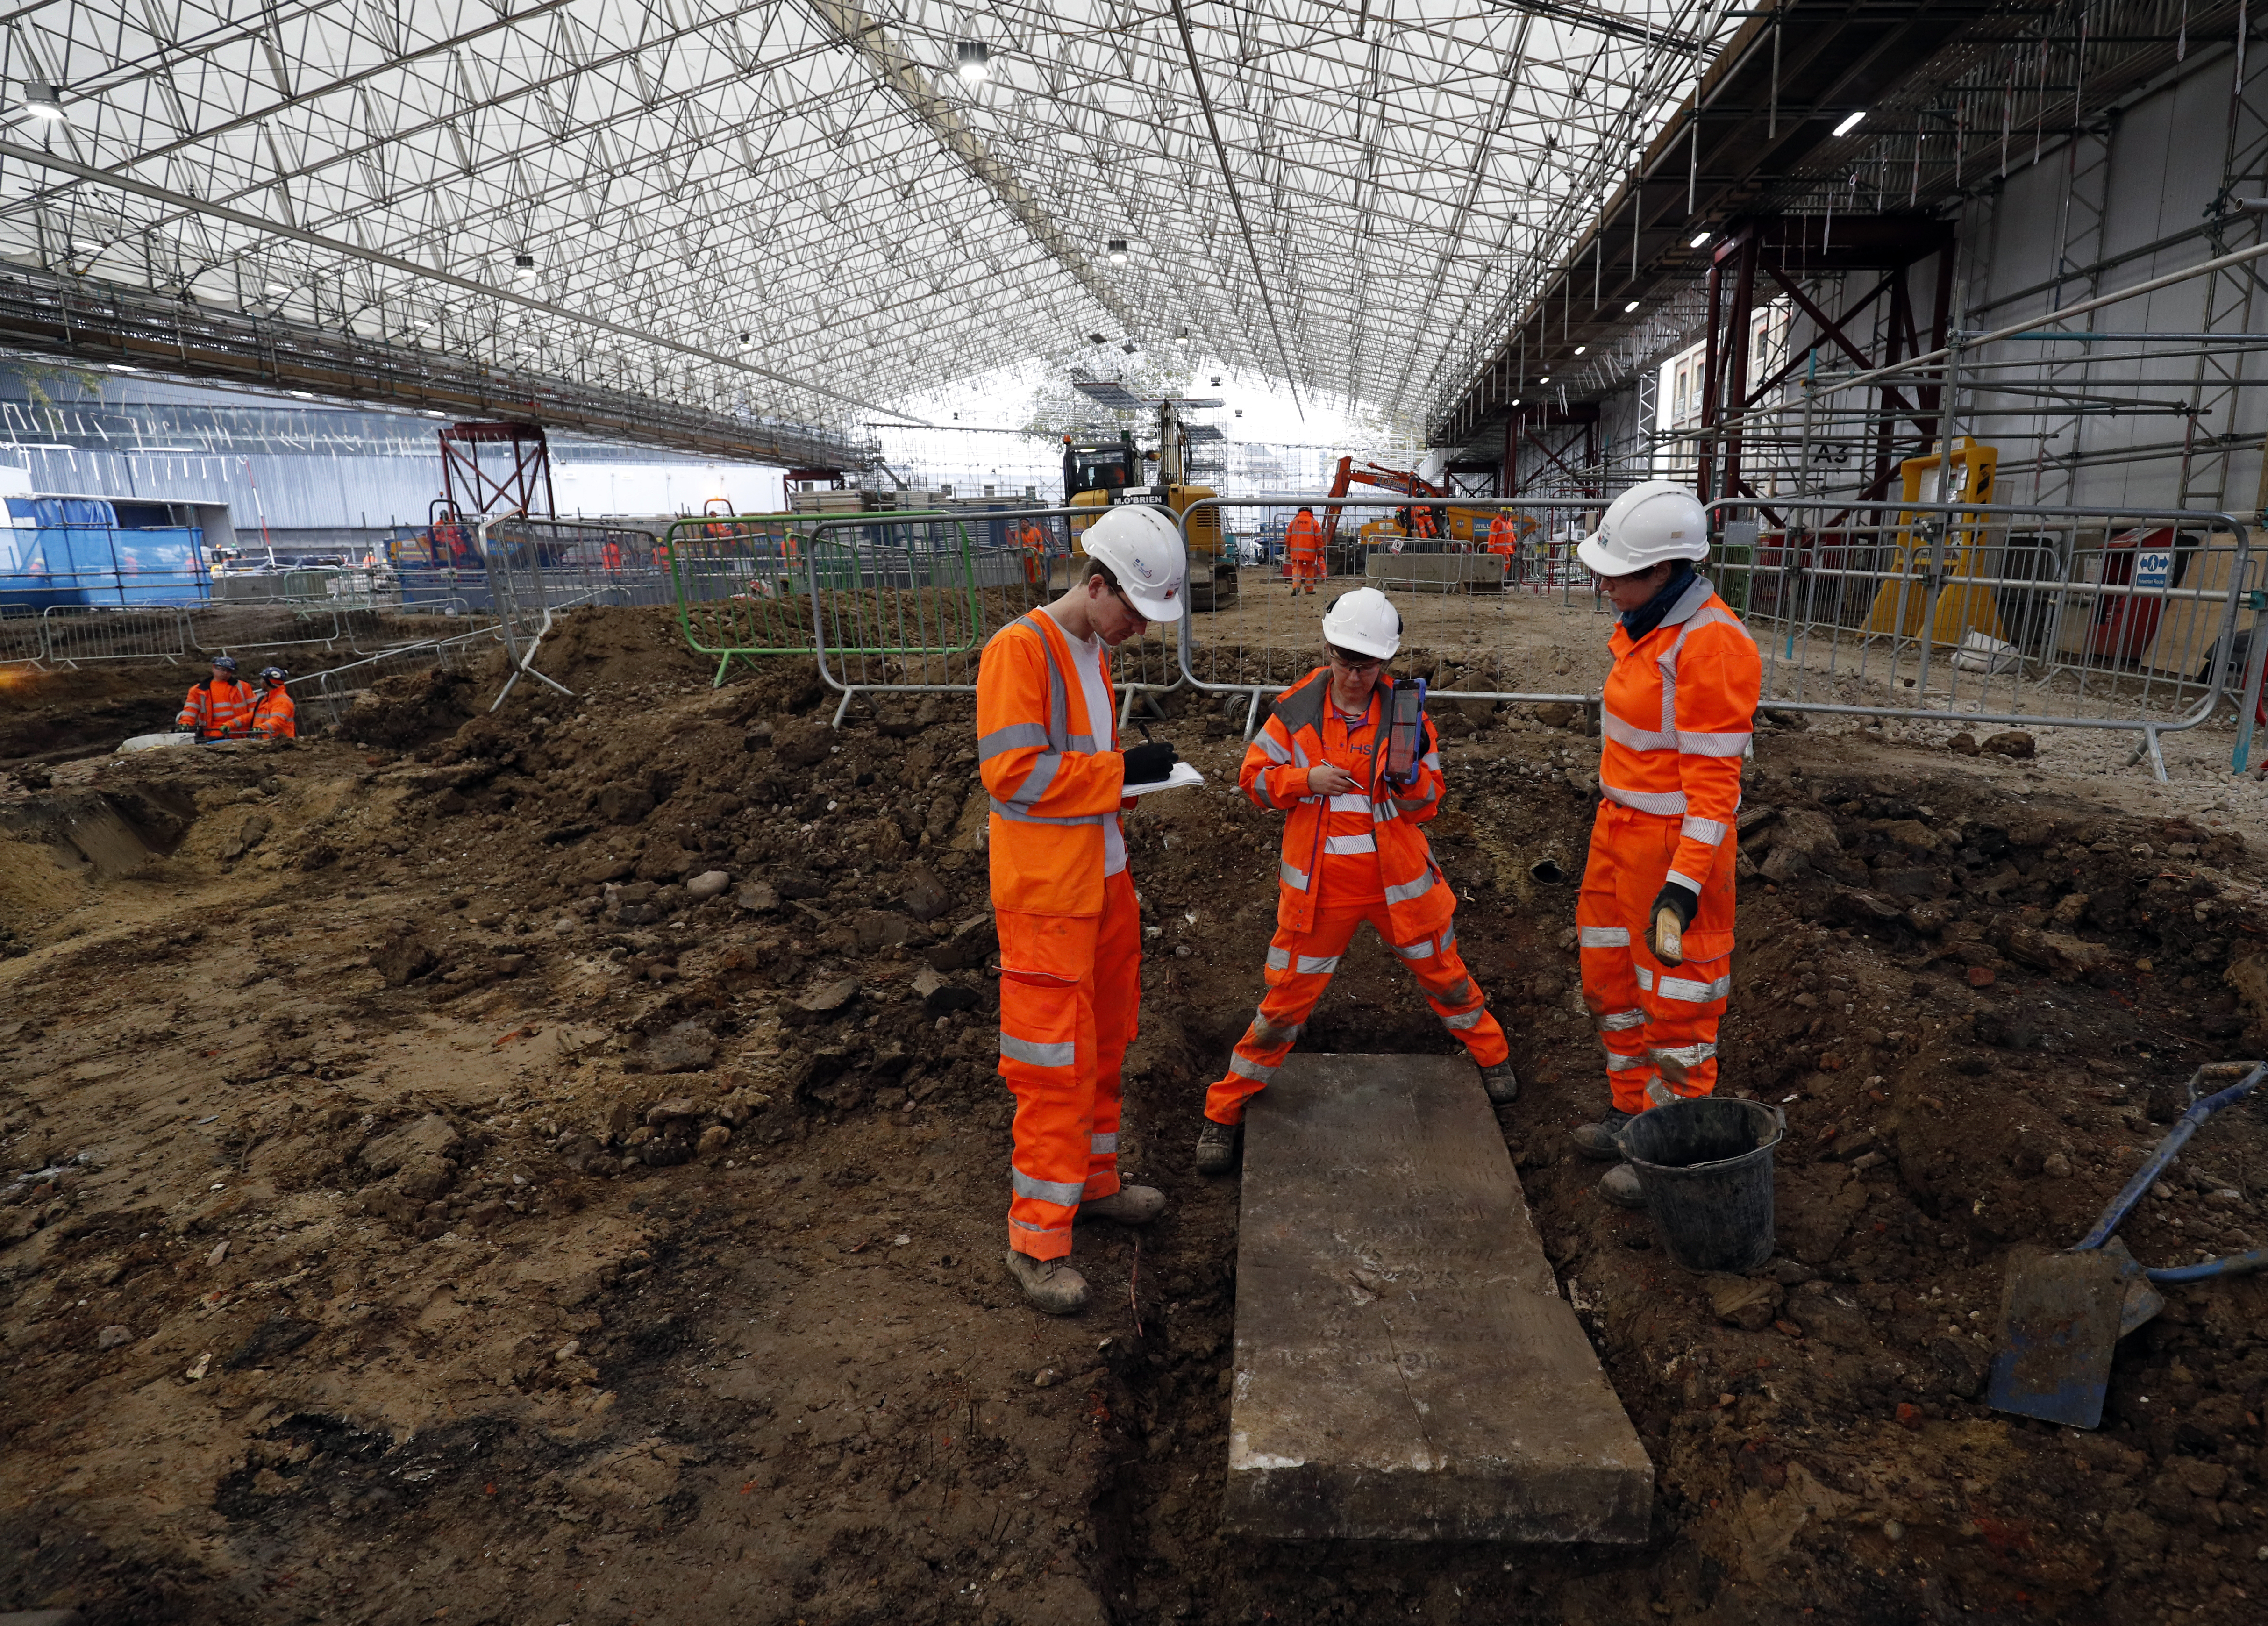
<point x="1100" y="470"/>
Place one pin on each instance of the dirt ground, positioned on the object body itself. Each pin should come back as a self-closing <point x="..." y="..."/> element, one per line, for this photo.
<point x="548" y="1167"/>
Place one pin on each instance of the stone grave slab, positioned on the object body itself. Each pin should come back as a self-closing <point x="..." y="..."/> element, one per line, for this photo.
<point x="1405" y="1366"/>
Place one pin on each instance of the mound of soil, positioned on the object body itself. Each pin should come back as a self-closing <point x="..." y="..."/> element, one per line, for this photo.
<point x="561" y="1169"/>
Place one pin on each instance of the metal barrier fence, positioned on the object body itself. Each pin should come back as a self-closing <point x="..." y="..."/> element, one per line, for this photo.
<point x="2113" y="618"/>
<point x="1523" y="626"/>
<point x="537" y="567"/>
<point x="71" y="633"/>
<point x="736" y="582"/>
<point x="331" y="693"/>
<point x="19" y="635"/>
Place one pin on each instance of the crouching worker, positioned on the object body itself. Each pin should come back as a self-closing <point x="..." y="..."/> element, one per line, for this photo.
<point x="1352" y="851"/>
<point x="1655" y="916"/>
<point x="1071" y="931"/>
<point x="219" y="708"/>
<point x="274" y="716"/>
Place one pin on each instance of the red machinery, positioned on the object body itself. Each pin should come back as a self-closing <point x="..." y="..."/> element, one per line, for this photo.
<point x="1425" y="522"/>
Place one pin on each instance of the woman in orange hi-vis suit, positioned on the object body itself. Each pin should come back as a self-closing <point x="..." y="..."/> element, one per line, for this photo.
<point x="1655" y="916"/>
<point x="1352" y="851"/>
<point x="1303" y="550"/>
<point x="1071" y="931"/>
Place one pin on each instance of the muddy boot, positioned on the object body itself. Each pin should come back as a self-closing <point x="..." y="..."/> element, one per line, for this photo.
<point x="1216" y="1148"/>
<point x="1128" y="1206"/>
<point x="1502" y="1086"/>
<point x="1597" y="1140"/>
<point x="1619" y="1186"/>
<point x="1050" y="1285"/>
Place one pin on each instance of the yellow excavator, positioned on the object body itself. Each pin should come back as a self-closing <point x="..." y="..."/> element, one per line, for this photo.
<point x="1100" y="470"/>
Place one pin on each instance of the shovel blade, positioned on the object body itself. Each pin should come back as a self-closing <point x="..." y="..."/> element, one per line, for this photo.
<point x="2059" y="1317"/>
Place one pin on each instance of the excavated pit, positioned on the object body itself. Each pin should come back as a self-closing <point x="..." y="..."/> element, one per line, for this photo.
<point x="415" y="1194"/>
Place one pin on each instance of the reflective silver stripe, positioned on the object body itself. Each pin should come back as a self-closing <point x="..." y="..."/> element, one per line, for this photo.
<point x="1415" y="951"/>
<point x="1018" y="1225"/>
<point x="1036" y="1054"/>
<point x="1318" y="965"/>
<point x="1015" y="737"/>
<point x="1278" y="960"/>
<point x="1448" y="937"/>
<point x="1614" y="1021"/>
<point x="1470" y="1019"/>
<point x="1416" y="888"/>
<point x="1644" y="977"/>
<point x="1693" y="992"/>
<point x="1463" y="993"/>
<point x="1663" y="802"/>
<point x="1618" y="1063"/>
<point x="1723" y="744"/>
<point x="1296" y="879"/>
<point x="1707" y="830"/>
<point x="1349" y="801"/>
<point x="1432" y="760"/>
<point x="1603" y="937"/>
<point x="1347" y="846"/>
<point x="1103" y="1143"/>
<point x="1660" y="1093"/>
<point x="1245" y="1069"/>
<point x="1299" y="753"/>
<point x="1019" y="816"/>
<point x="1044" y="768"/>
<point x="1081" y="742"/>
<point x="1636" y="738"/>
<point x="1278" y="752"/>
<point x="1683" y="1055"/>
<point x="1063" y="1193"/>
<point x="1265" y="1033"/>
<point x="1686" y="881"/>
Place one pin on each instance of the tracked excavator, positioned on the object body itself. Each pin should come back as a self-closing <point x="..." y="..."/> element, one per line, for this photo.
<point x="1100" y="470"/>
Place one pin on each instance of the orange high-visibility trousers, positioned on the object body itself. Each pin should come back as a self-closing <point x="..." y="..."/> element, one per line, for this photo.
<point x="1658" y="1023"/>
<point x="1071" y="994"/>
<point x="1299" y="968"/>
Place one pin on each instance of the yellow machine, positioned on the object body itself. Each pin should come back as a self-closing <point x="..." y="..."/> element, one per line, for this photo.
<point x="1099" y="473"/>
<point x="1957" y="548"/>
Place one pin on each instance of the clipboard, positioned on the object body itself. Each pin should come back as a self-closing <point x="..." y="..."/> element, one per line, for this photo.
<point x="1183" y="775"/>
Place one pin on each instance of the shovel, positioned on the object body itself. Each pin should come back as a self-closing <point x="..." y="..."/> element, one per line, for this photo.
<point x="2062" y="1314"/>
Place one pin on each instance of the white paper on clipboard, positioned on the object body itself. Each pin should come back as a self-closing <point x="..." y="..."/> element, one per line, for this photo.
<point x="1182" y="774"/>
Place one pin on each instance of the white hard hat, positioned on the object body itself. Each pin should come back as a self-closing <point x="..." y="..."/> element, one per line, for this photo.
<point x="1364" y="621"/>
<point x="1652" y="521"/>
<point x="1144" y="551"/>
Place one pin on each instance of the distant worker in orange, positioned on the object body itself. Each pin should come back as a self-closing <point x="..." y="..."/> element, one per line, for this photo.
<point x="219" y="708"/>
<point x="1071" y="930"/>
<point x="273" y="716"/>
<point x="1503" y="541"/>
<point x="610" y="553"/>
<point x="1303" y="550"/>
<point x="1035" y="554"/>
<point x="1655" y="917"/>
<point x="1352" y="851"/>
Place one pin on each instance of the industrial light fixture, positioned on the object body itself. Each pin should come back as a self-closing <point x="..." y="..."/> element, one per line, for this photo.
<point x="1850" y="121"/>
<point x="300" y="394"/>
<point x="1546" y="378"/>
<point x="1581" y="349"/>
<point x="523" y="267"/>
<point x="1627" y="309"/>
<point x="1118" y="251"/>
<point x="1216" y="380"/>
<point x="42" y="100"/>
<point x="1096" y="338"/>
<point x="277" y="290"/>
<point x="1129" y="347"/>
<point x="744" y="341"/>
<point x="1182" y="338"/>
<point x="972" y="60"/>
<point x="1699" y="237"/>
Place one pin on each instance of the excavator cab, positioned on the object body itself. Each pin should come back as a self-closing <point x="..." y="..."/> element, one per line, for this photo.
<point x="1098" y="472"/>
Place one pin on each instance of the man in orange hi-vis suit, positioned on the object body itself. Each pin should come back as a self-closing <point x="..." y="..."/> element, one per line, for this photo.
<point x="1035" y="554"/>
<point x="1503" y="541"/>
<point x="1303" y="550"/>
<point x="1655" y="916"/>
<point x="1352" y="851"/>
<point x="1071" y="931"/>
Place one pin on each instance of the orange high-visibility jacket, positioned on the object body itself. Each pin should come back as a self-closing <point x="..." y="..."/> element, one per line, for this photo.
<point x="274" y="716"/>
<point x="1681" y="708"/>
<point x="1052" y="783"/>
<point x="1275" y="775"/>
<point x="1504" y="534"/>
<point x="1303" y="538"/>
<point x="1032" y="539"/>
<point x="218" y="710"/>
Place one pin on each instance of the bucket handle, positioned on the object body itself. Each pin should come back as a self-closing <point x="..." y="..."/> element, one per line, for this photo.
<point x="1779" y="1117"/>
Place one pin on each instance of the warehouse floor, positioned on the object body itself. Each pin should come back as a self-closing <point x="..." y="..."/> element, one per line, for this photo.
<point x="418" y="1204"/>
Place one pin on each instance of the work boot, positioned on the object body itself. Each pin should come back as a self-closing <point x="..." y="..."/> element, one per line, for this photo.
<point x="1216" y="1148"/>
<point x="1619" y="1186"/>
<point x="1128" y="1206"/>
<point x="1050" y="1285"/>
<point x="1597" y="1140"/>
<point x="1502" y="1085"/>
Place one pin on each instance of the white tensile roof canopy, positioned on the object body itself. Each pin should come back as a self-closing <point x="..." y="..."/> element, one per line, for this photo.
<point x="805" y="208"/>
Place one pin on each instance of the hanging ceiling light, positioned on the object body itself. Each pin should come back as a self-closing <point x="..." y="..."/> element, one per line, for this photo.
<point x="1699" y="237"/>
<point x="1850" y="121"/>
<point x="972" y="60"/>
<point x="1118" y="251"/>
<point x="1627" y="309"/>
<point x="43" y="101"/>
<point x="1182" y="338"/>
<point x="1581" y="349"/>
<point x="523" y="267"/>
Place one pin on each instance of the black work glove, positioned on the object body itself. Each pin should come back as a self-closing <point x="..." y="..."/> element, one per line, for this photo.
<point x="1673" y="911"/>
<point x="1147" y="765"/>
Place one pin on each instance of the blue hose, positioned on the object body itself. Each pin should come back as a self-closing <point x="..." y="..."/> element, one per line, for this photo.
<point x="2235" y="1264"/>
<point x="2185" y="1126"/>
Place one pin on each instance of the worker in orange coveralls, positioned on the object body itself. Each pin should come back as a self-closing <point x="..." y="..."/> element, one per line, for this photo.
<point x="1303" y="550"/>
<point x="273" y="715"/>
<point x="1352" y="851"/>
<point x="1035" y="554"/>
<point x="1503" y="541"/>
<point x="1655" y="917"/>
<point x="1071" y="930"/>
<point x="219" y="708"/>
